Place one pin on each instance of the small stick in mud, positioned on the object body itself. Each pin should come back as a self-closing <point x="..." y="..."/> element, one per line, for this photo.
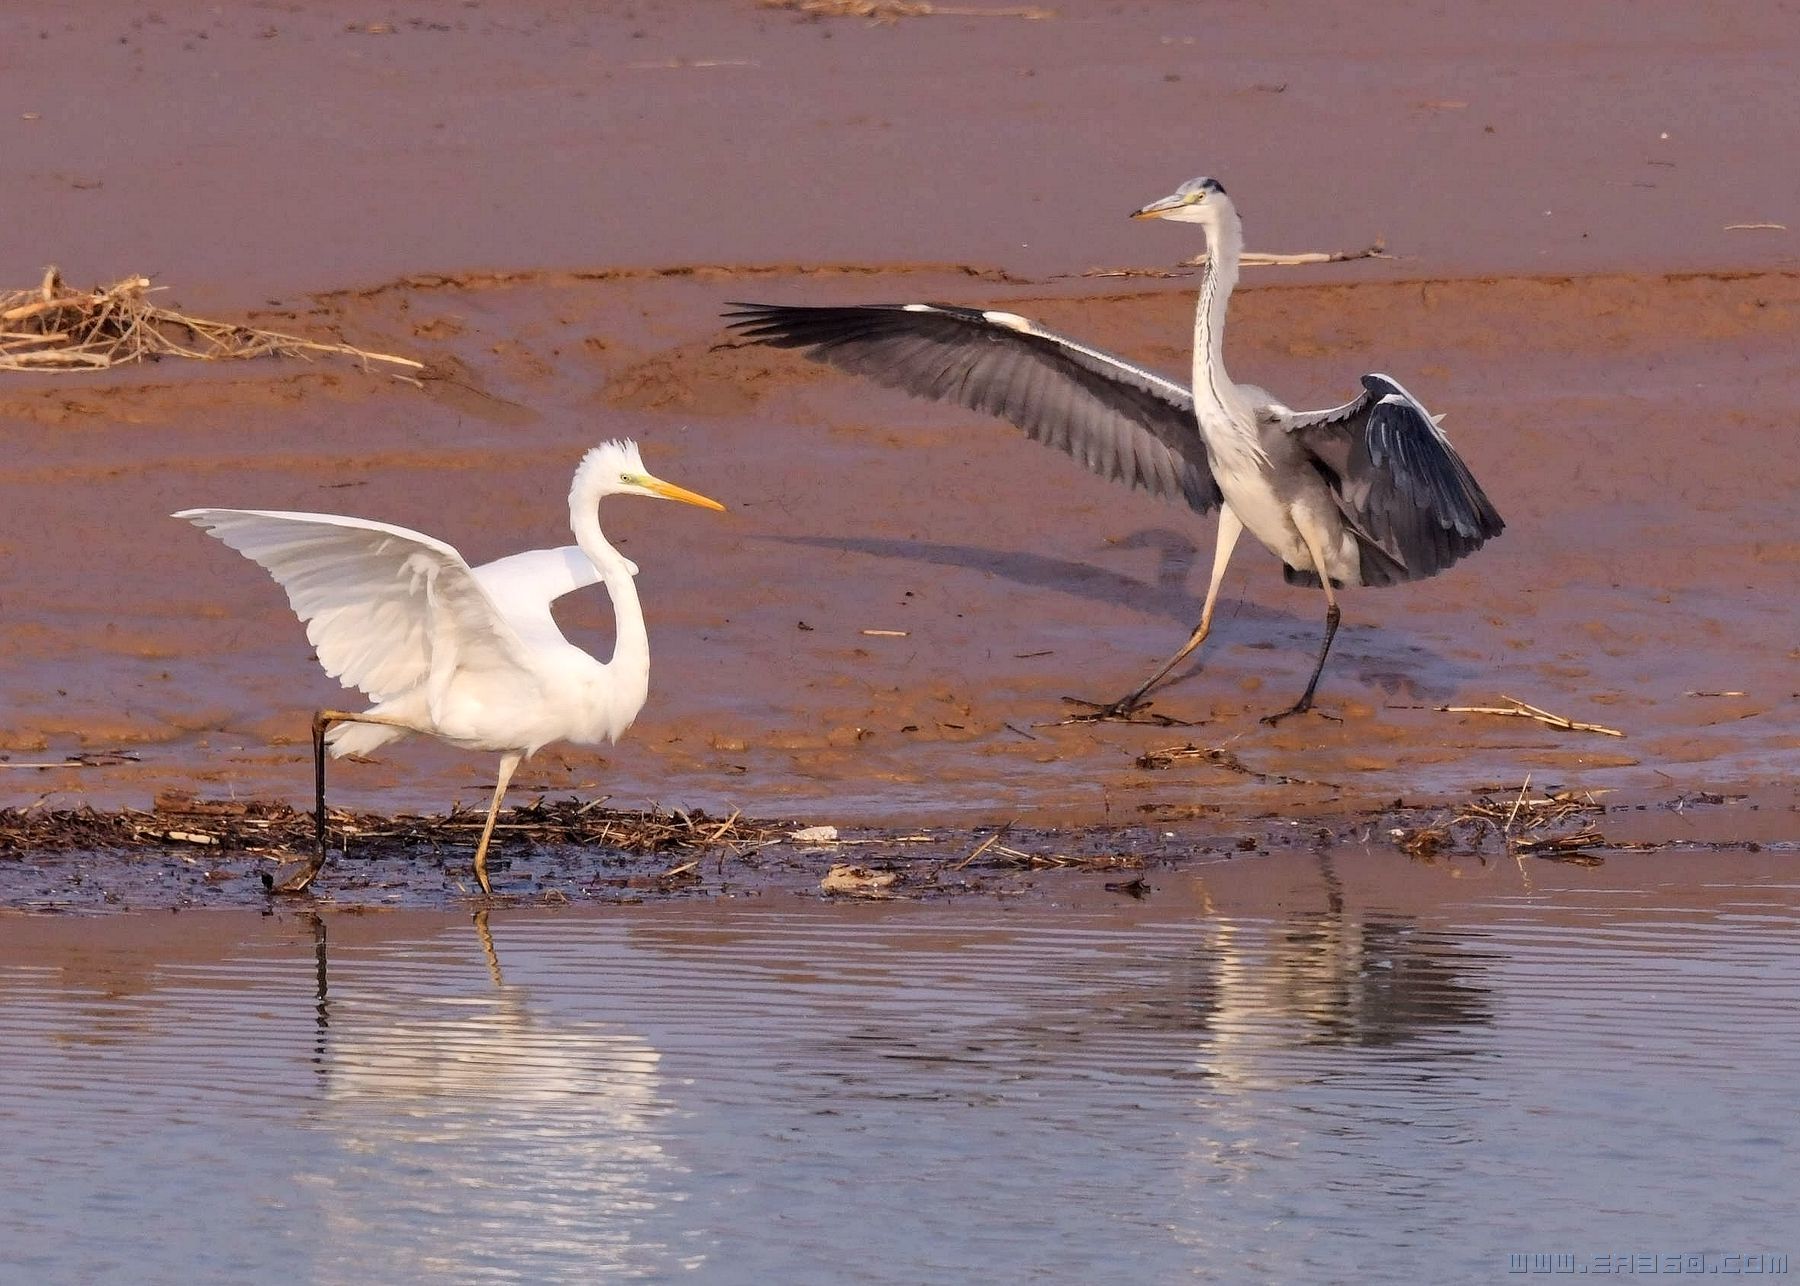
<point x="1518" y="803"/>
<point x="1522" y="710"/>
<point x="981" y="848"/>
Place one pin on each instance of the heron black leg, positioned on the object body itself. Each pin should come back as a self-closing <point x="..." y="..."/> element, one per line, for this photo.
<point x="1313" y="548"/>
<point x="1305" y="702"/>
<point x="1230" y="528"/>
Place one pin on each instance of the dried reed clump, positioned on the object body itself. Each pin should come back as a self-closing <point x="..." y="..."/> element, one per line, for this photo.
<point x="57" y="328"/>
<point x="179" y="820"/>
<point x="894" y="10"/>
<point x="1515" y="821"/>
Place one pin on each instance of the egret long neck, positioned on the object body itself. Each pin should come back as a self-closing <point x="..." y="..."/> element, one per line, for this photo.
<point x="631" y="649"/>
<point x="1213" y="390"/>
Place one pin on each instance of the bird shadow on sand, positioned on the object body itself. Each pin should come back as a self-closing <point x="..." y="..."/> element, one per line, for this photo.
<point x="1378" y="656"/>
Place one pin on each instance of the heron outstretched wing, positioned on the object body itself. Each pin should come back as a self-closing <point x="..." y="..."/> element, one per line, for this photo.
<point x="1121" y="421"/>
<point x="386" y="608"/>
<point x="1398" y="480"/>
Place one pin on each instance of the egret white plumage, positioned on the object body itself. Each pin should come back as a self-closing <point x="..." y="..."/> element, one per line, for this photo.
<point x="470" y="655"/>
<point x="1367" y="493"/>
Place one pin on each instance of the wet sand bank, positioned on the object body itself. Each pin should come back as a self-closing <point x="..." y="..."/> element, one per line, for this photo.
<point x="1644" y="465"/>
<point x="1620" y="372"/>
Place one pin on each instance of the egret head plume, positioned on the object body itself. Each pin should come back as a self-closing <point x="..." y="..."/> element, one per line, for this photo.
<point x="617" y="469"/>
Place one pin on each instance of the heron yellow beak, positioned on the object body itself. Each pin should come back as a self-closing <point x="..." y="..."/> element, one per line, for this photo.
<point x="669" y="491"/>
<point x="1165" y="204"/>
<point x="1156" y="208"/>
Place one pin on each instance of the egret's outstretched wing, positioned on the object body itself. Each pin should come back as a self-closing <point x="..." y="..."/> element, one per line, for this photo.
<point x="1121" y="421"/>
<point x="1398" y="480"/>
<point x="385" y="608"/>
<point x="522" y="587"/>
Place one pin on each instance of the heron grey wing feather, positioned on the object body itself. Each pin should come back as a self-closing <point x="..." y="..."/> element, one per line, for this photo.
<point x="1398" y="481"/>
<point x="1119" y="420"/>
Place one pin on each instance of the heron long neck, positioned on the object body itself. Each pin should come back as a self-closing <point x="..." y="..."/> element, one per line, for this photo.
<point x="1213" y="390"/>
<point x="631" y="649"/>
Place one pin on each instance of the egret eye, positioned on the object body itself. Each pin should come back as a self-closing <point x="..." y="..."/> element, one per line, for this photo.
<point x="625" y="478"/>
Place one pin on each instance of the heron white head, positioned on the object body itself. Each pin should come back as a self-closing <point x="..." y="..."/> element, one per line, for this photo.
<point x="617" y="469"/>
<point x="1196" y="201"/>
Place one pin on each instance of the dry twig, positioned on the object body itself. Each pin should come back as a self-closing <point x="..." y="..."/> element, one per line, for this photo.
<point x="1522" y="710"/>
<point x="981" y="848"/>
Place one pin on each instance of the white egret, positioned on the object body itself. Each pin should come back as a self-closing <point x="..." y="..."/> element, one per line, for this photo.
<point x="470" y="655"/>
<point x="1367" y="493"/>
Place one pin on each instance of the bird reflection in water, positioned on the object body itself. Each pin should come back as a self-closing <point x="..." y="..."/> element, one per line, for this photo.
<point x="1357" y="980"/>
<point x="1325" y="973"/>
<point x="455" y="1111"/>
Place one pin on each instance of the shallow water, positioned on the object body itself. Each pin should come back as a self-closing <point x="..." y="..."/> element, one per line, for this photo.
<point x="1304" y="1067"/>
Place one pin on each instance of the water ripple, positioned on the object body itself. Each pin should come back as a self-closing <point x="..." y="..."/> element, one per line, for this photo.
<point x="1320" y="1073"/>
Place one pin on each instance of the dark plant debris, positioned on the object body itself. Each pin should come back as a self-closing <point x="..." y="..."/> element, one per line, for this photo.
<point x="180" y="821"/>
<point x="1517" y="822"/>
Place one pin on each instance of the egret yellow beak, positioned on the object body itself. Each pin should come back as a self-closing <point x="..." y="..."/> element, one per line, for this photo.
<point x="669" y="491"/>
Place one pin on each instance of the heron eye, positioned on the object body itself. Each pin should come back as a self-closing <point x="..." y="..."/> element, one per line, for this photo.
<point x="625" y="477"/>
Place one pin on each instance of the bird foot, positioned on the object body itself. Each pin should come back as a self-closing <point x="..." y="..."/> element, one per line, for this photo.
<point x="292" y="877"/>
<point x="1124" y="710"/>
<point x="1304" y="708"/>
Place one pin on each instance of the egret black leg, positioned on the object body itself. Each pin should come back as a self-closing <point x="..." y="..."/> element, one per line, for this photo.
<point x="294" y="878"/>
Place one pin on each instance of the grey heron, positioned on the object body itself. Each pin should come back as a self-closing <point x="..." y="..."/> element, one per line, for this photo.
<point x="1367" y="493"/>
<point x="470" y="655"/>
